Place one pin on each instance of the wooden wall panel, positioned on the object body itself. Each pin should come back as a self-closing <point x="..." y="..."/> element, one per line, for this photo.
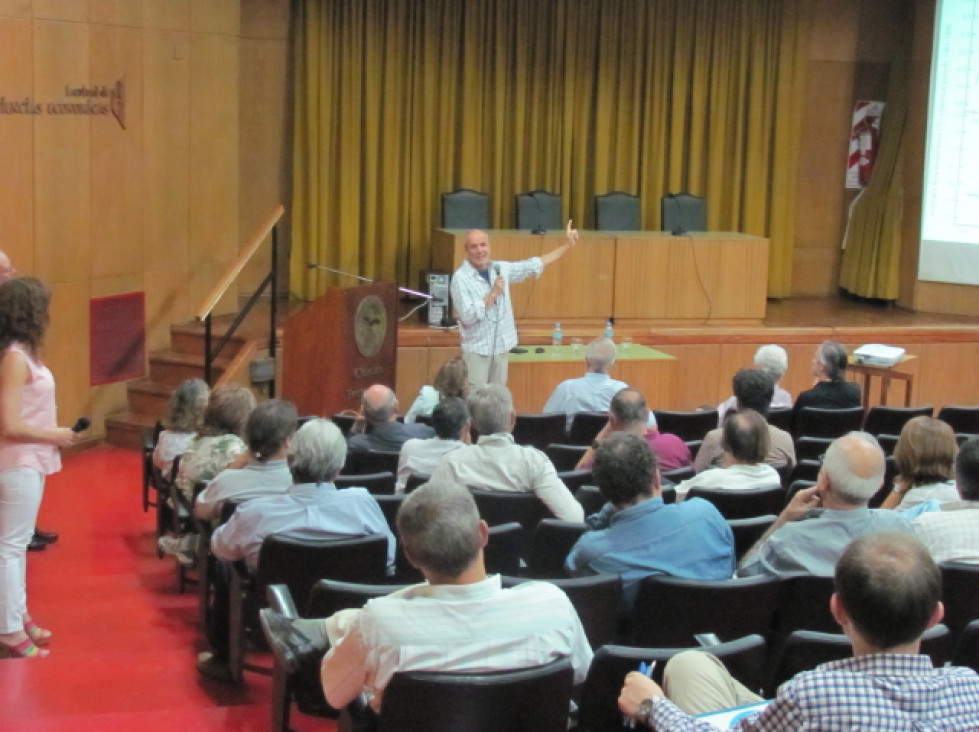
<point x="15" y="8"/>
<point x="17" y="146"/>
<point x="216" y="16"/>
<point x="697" y="377"/>
<point x="62" y="154"/>
<point x="73" y="10"/>
<point x="166" y="151"/>
<point x="117" y="12"/>
<point x="66" y="349"/>
<point x="117" y="180"/>
<point x="168" y="301"/>
<point x="944" y="297"/>
<point x="167" y="14"/>
<point x="947" y="374"/>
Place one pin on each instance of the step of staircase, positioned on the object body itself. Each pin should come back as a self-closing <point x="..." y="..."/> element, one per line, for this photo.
<point x="169" y="368"/>
<point x="126" y="429"/>
<point x="189" y="338"/>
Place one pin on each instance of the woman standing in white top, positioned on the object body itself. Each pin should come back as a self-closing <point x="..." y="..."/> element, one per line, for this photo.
<point x="925" y="454"/>
<point x="29" y="442"/>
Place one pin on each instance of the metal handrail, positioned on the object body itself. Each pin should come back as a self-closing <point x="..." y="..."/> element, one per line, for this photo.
<point x="204" y="314"/>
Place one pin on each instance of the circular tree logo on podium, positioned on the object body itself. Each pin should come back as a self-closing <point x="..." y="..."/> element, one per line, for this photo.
<point x="370" y="326"/>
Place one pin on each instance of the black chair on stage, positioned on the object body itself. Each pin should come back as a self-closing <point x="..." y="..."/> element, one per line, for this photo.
<point x="686" y="425"/>
<point x="538" y="211"/>
<point x="596" y="599"/>
<point x="585" y="427"/>
<point x="672" y="611"/>
<point x="891" y="420"/>
<point x="465" y="209"/>
<point x="598" y="710"/>
<point x="743" y="503"/>
<point x="539" y="430"/>
<point x="683" y="212"/>
<point x="617" y="211"/>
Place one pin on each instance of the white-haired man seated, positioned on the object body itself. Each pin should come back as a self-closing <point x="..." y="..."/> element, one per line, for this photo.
<point x="592" y="392"/>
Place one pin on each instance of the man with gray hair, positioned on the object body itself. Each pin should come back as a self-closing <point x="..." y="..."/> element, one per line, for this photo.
<point x="814" y="528"/>
<point x="377" y="427"/>
<point x="460" y="619"/>
<point x="312" y="507"/>
<point x="774" y="361"/>
<point x="496" y="463"/>
<point x="592" y="392"/>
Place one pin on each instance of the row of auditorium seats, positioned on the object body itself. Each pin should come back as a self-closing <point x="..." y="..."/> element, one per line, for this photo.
<point x="539" y="211"/>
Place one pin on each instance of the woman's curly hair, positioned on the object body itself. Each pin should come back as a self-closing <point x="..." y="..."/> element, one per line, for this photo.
<point x="23" y="313"/>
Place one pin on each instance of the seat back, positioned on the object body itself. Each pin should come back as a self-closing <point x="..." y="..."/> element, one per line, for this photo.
<point x="596" y="599"/>
<point x="963" y="420"/>
<point x="565" y="457"/>
<point x="344" y="422"/>
<point x="683" y="212"/>
<point x="416" y="480"/>
<point x="670" y="611"/>
<point x="960" y="594"/>
<point x="527" y="700"/>
<point x="832" y="423"/>
<point x="539" y="430"/>
<point x="299" y="562"/>
<point x="598" y="710"/>
<point x="331" y="596"/>
<point x="371" y="461"/>
<point x="780" y="417"/>
<point x="688" y="426"/>
<point x="617" y="211"/>
<point x="747" y="531"/>
<point x="502" y="507"/>
<point x="803" y="604"/>
<point x="811" y="448"/>
<point x="574" y="479"/>
<point x="585" y="427"/>
<point x="966" y="651"/>
<point x="742" y="503"/>
<point x="891" y="420"/>
<point x="502" y="552"/>
<point x="465" y="209"/>
<point x="677" y="475"/>
<point x="379" y="484"/>
<point x="591" y="499"/>
<point x="550" y="544"/>
<point x="539" y="211"/>
<point x="389" y="507"/>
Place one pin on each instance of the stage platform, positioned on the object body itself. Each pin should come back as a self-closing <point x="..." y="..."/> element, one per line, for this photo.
<point x="945" y="369"/>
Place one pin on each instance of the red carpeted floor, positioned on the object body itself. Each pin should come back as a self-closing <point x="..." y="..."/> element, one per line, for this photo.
<point x="125" y="641"/>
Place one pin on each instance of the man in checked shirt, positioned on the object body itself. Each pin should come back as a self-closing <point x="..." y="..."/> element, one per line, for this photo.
<point x="481" y="299"/>
<point x="888" y="592"/>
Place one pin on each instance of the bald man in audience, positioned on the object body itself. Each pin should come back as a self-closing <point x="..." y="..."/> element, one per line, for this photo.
<point x="888" y="593"/>
<point x="592" y="392"/>
<point x="378" y="428"/>
<point x="811" y="532"/>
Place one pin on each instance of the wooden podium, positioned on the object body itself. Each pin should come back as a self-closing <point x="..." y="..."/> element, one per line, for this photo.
<point x="338" y="346"/>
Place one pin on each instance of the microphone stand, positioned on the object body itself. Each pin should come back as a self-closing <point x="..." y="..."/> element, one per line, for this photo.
<point x="539" y="230"/>
<point x="405" y="290"/>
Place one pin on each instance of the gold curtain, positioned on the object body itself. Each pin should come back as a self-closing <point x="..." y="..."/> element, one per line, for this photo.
<point x="399" y="101"/>
<point x="872" y="257"/>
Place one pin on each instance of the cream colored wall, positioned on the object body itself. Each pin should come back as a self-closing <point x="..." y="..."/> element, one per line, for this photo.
<point x="96" y="210"/>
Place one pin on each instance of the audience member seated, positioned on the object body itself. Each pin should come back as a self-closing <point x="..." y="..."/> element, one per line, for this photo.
<point x="268" y="429"/>
<point x="774" y="361"/>
<point x="951" y="530"/>
<point x="628" y="412"/>
<point x="831" y="390"/>
<point x="745" y="441"/>
<point x="925" y="455"/>
<point x="818" y="523"/>
<point x="452" y="380"/>
<point x="450" y="420"/>
<point x="377" y="427"/>
<point x="497" y="463"/>
<point x="888" y="593"/>
<point x="460" y="619"/>
<point x="312" y="507"/>
<point x="636" y="534"/>
<point x="753" y="389"/>
<point x="218" y="444"/>
<point x="185" y="415"/>
<point x="592" y="392"/>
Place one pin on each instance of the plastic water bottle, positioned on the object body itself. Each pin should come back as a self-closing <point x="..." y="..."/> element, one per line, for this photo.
<point x="609" y="330"/>
<point x="558" y="336"/>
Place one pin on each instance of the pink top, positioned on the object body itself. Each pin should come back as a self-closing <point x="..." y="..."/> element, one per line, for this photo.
<point x="671" y="452"/>
<point x="36" y="409"/>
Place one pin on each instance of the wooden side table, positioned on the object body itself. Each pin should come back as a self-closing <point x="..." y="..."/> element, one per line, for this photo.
<point x="885" y="373"/>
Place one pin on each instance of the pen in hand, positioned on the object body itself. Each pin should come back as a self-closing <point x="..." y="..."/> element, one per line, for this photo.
<point x="647" y="671"/>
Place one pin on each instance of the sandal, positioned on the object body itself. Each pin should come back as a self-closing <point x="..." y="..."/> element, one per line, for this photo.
<point x="24" y="649"/>
<point x="40" y="636"/>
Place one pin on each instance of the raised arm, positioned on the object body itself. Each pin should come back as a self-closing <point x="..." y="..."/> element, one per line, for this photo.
<point x="557" y="253"/>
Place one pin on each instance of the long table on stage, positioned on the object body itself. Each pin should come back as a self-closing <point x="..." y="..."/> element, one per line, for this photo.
<point x="715" y="277"/>
<point x="533" y="376"/>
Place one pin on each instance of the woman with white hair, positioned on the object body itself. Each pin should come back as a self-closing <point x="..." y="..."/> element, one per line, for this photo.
<point x="774" y="361"/>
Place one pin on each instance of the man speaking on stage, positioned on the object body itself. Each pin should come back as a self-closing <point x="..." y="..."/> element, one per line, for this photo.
<point x="481" y="298"/>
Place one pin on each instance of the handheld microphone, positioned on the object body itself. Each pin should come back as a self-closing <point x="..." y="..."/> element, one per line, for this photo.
<point x="496" y="269"/>
<point x="81" y="425"/>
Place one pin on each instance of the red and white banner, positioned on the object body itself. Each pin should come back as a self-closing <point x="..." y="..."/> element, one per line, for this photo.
<point x="864" y="138"/>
